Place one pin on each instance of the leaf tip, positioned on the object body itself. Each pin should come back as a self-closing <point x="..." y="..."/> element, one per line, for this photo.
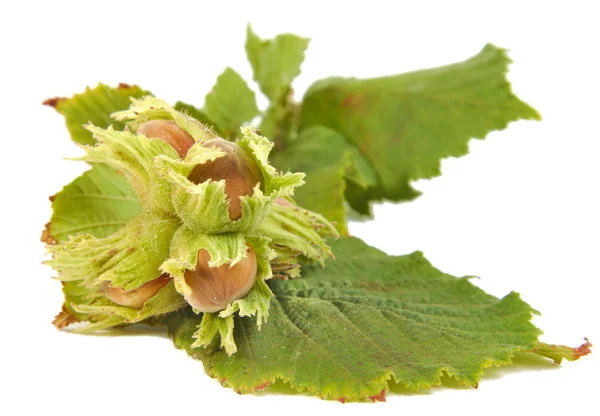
<point x="379" y="397"/>
<point x="53" y="102"/>
<point x="583" y="349"/>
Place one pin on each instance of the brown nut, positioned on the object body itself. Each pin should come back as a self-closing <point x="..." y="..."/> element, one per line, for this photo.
<point x="213" y="288"/>
<point x="169" y="132"/>
<point x="240" y="172"/>
<point x="137" y="297"/>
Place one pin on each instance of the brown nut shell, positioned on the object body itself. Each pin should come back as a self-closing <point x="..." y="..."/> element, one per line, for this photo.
<point x="137" y="297"/>
<point x="213" y="288"/>
<point x="240" y="172"/>
<point x="169" y="132"/>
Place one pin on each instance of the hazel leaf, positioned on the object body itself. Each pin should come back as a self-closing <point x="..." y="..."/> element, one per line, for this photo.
<point x="366" y="320"/>
<point x="230" y="103"/>
<point x="99" y="202"/>
<point x="94" y="106"/>
<point x="275" y="62"/>
<point x="405" y="124"/>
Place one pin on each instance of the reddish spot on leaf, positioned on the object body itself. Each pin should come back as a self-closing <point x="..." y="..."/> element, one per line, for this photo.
<point x="262" y="386"/>
<point x="123" y="85"/>
<point x="52" y="102"/>
<point x="362" y="148"/>
<point x="47" y="236"/>
<point x="352" y="101"/>
<point x="131" y="250"/>
<point x="583" y="349"/>
<point x="113" y="252"/>
<point x="223" y="381"/>
<point x="342" y="399"/>
<point x="378" y="398"/>
<point x="52" y="198"/>
<point x="348" y="100"/>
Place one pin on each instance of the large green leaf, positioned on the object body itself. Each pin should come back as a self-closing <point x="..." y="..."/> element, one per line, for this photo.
<point x="329" y="162"/>
<point x="230" y="103"/>
<point x="99" y="202"/>
<point x="405" y="124"/>
<point x="275" y="62"/>
<point x="94" y="105"/>
<point x="345" y="331"/>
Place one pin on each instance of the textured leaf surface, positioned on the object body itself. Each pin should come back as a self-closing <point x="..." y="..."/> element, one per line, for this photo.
<point x="94" y="106"/>
<point x="405" y="124"/>
<point x="230" y="103"/>
<point x="329" y="162"/>
<point x="99" y="202"/>
<point x="276" y="62"/>
<point x="344" y="331"/>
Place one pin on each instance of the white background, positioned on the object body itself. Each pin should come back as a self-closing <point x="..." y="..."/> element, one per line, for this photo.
<point x="521" y="210"/>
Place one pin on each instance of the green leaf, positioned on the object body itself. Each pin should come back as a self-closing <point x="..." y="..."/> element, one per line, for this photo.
<point x="330" y="162"/>
<point x="99" y="203"/>
<point x="405" y="124"/>
<point x="230" y="103"/>
<point x="94" y="106"/>
<point x="346" y="331"/>
<point x="275" y="62"/>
